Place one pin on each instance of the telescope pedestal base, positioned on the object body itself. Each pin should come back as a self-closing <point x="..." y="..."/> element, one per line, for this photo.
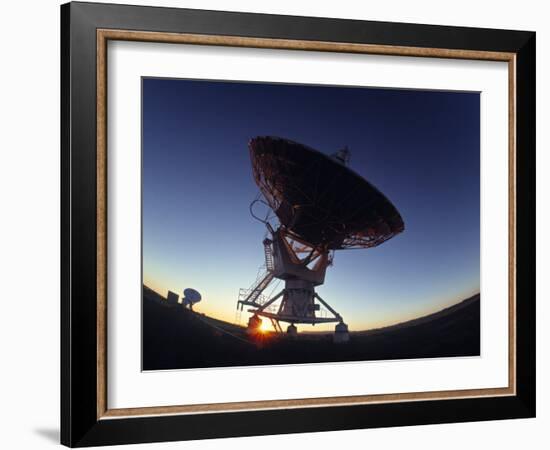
<point x="341" y="333"/>
<point x="292" y="331"/>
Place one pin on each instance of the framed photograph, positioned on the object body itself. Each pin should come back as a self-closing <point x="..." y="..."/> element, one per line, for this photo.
<point x="276" y="224"/>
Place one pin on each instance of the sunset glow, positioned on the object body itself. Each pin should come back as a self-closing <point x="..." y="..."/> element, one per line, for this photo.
<point x="265" y="326"/>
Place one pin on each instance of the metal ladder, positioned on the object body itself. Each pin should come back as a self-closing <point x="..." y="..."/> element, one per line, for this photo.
<point x="254" y="293"/>
<point x="268" y="252"/>
<point x="257" y="290"/>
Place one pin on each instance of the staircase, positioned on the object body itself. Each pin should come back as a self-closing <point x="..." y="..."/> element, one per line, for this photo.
<point x="268" y="251"/>
<point x="256" y="290"/>
<point x="253" y="296"/>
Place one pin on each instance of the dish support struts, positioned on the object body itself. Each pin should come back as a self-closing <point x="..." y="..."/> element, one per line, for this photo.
<point x="301" y="267"/>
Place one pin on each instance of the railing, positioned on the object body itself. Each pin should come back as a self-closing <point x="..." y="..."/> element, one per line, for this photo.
<point x="268" y="251"/>
<point x="255" y="292"/>
<point x="244" y="294"/>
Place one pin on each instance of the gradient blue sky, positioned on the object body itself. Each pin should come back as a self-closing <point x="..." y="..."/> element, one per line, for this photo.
<point x="420" y="148"/>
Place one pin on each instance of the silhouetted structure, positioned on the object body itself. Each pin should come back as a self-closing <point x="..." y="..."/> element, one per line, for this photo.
<point x="321" y="205"/>
<point x="190" y="297"/>
<point x="172" y="298"/>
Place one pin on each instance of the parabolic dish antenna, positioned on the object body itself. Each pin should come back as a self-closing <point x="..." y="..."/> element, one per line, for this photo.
<point x="318" y="198"/>
<point x="322" y="206"/>
<point x="190" y="297"/>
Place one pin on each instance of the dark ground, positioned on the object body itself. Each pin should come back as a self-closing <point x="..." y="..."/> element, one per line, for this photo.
<point x="176" y="338"/>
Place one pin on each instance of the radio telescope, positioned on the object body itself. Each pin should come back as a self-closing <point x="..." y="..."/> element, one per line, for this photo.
<point x="320" y="206"/>
<point x="190" y="297"/>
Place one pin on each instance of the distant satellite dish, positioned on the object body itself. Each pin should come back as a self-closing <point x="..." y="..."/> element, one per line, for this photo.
<point x="190" y="297"/>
